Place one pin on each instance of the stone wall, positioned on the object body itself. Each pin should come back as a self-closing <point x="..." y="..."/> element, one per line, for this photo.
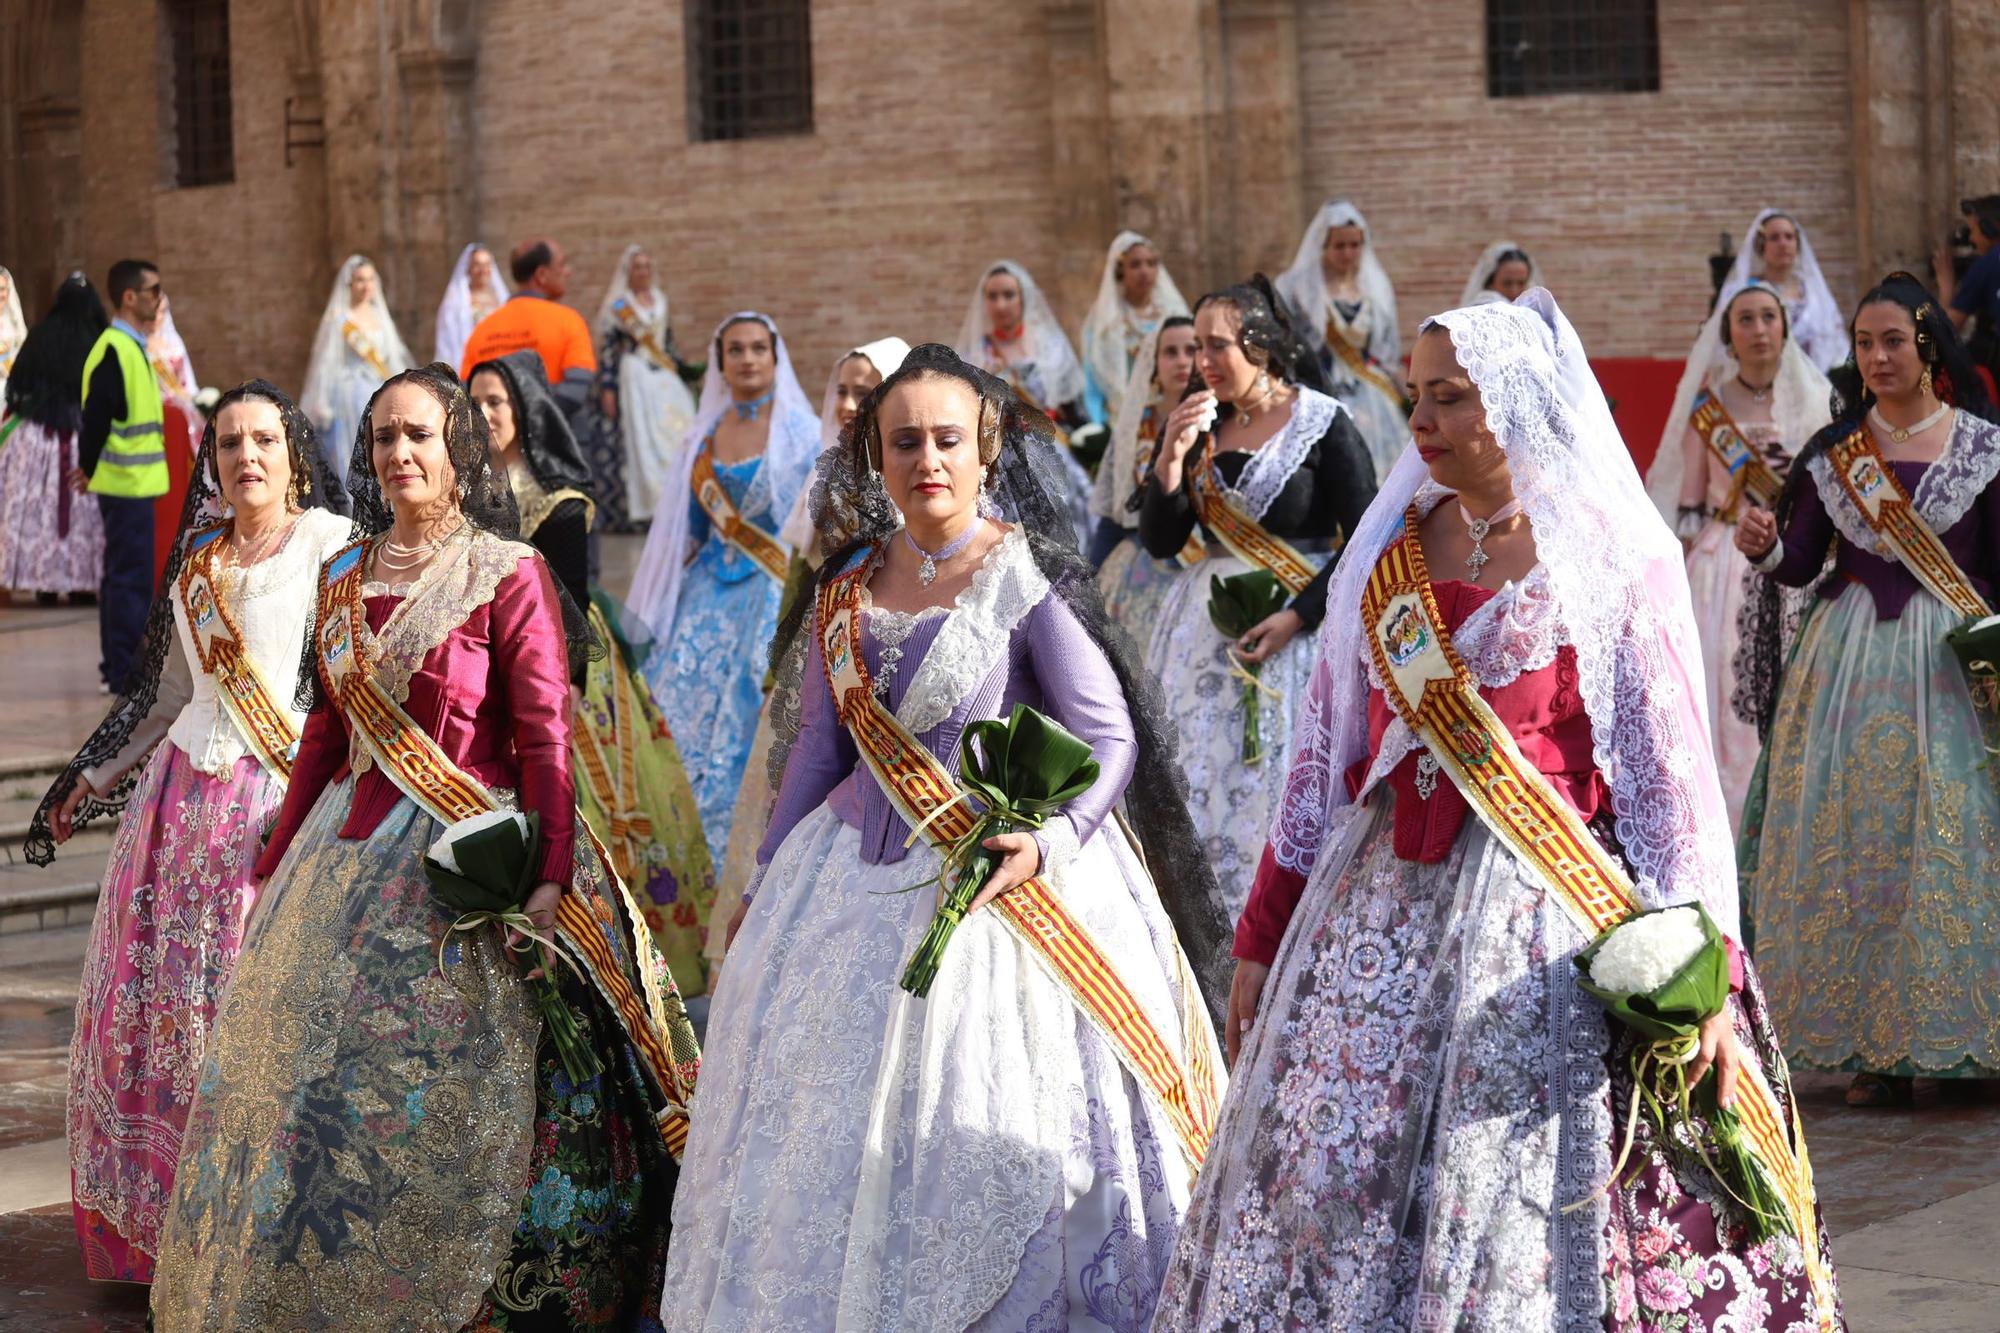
<point x="948" y="139"/>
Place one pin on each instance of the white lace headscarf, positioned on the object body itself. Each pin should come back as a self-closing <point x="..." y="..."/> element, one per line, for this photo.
<point x="1117" y="475"/>
<point x="651" y="303"/>
<point x="1304" y="283"/>
<point x="1059" y="375"/>
<point x="455" y="320"/>
<point x="1104" y="325"/>
<point x="885" y="354"/>
<point x="1818" y="326"/>
<point x="1476" y="291"/>
<point x="1800" y="398"/>
<point x="329" y="349"/>
<point x="1616" y="574"/>
<point x="789" y="453"/>
<point x="13" y="325"/>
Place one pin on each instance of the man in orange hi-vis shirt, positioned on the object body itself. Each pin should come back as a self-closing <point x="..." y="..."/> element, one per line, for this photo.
<point x="535" y="317"/>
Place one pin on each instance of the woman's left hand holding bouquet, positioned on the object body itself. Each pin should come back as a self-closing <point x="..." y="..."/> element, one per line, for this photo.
<point x="1719" y="1048"/>
<point x="540" y="908"/>
<point x="1020" y="858"/>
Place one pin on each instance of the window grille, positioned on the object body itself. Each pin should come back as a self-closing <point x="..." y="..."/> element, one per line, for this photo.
<point x="1537" y="47"/>
<point x="204" y="143"/>
<point x="750" y="63"/>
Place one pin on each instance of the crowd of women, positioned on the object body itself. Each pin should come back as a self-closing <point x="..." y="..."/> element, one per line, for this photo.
<point x="1403" y="695"/>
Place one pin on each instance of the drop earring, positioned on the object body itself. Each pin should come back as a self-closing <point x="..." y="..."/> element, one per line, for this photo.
<point x="1925" y="382"/>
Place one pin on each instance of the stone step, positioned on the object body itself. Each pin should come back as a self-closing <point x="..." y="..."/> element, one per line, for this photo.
<point x="26" y="767"/>
<point x="46" y="905"/>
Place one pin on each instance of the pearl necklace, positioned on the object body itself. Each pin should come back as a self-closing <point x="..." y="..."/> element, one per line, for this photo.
<point x="1477" y="528"/>
<point x="1902" y="433"/>
<point x="251" y="550"/>
<point x="928" y="571"/>
<point x="397" y="558"/>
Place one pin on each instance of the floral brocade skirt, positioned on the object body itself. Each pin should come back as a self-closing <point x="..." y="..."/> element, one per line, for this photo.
<point x="1872" y="895"/>
<point x="51" y="538"/>
<point x="1232" y="803"/>
<point x="162" y="946"/>
<point x="1134" y="585"/>
<point x="383" y="1136"/>
<point x="1421" y="1121"/>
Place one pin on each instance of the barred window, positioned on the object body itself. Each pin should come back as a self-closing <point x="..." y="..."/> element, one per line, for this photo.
<point x="750" y="63"/>
<point x="1534" y="47"/>
<point x="204" y="145"/>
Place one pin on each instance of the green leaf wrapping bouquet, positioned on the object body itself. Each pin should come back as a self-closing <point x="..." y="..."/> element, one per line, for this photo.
<point x="1236" y="605"/>
<point x="1023" y="769"/>
<point x="1976" y="644"/>
<point x="483" y="868"/>
<point x="1663" y="974"/>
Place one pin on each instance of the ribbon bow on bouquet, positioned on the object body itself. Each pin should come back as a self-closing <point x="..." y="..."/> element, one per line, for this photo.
<point x="483" y="868"/>
<point x="1024" y="769"/>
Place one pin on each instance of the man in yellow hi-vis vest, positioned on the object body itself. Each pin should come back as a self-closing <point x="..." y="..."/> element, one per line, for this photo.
<point x="122" y="458"/>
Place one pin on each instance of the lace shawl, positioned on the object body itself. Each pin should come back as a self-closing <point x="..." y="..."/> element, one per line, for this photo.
<point x="1970" y="460"/>
<point x="1265" y="475"/>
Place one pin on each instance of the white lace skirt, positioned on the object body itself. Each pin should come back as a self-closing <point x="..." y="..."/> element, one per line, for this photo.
<point x="655" y="410"/>
<point x="1232" y="803"/>
<point x="862" y="1159"/>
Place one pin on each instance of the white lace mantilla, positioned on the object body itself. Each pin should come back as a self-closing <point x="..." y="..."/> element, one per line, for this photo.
<point x="974" y="637"/>
<point x="1516" y="631"/>
<point x="1265" y="475"/>
<point x="1970" y="461"/>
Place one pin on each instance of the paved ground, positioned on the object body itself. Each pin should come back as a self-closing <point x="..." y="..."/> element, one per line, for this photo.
<point x="1912" y="1197"/>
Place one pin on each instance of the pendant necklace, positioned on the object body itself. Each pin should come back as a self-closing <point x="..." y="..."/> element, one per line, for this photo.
<point x="1902" y="433"/>
<point x="1757" y="395"/>
<point x="1477" y="528"/>
<point x="928" y="571"/>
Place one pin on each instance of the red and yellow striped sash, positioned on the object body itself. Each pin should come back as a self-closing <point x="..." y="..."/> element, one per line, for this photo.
<point x="1749" y="474"/>
<point x="635" y="329"/>
<point x="1431" y="690"/>
<point x="1873" y="488"/>
<point x="1357" y="361"/>
<point x="765" y="550"/>
<point x="427" y="775"/>
<point x="927" y="796"/>
<point x="1246" y="538"/>
<point x="265" y="727"/>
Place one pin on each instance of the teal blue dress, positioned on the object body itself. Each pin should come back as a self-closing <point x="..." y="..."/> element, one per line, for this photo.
<point x="708" y="672"/>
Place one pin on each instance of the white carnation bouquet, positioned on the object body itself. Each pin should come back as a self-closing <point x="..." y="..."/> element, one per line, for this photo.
<point x="1665" y="973"/>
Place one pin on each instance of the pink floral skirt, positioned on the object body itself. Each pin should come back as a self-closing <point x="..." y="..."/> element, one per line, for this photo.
<point x="164" y="941"/>
<point x="51" y="538"/>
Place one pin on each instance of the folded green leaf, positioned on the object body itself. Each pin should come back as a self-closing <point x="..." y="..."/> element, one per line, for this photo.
<point x="1691" y="997"/>
<point x="1237" y="604"/>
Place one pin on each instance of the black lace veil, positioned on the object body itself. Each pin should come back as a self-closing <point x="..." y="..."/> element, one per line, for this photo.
<point x="1012" y="434"/>
<point x="314" y="487"/>
<point x="543" y="432"/>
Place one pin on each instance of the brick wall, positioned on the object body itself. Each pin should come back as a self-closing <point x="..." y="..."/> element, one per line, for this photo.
<point x="1620" y="198"/>
<point x="954" y="137"/>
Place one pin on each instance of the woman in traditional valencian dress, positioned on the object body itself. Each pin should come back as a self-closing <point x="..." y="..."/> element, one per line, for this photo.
<point x="710" y="578"/>
<point x="384" y="1129"/>
<point x="51" y="535"/>
<point x="13" y="328"/>
<point x="356" y="348"/>
<point x="1010" y="330"/>
<point x="1869" y="837"/>
<point x="1425" y="1118"/>
<point x="854" y="375"/>
<point x="221" y="671"/>
<point x="1132" y="581"/>
<point x="1134" y="294"/>
<point x="653" y="406"/>
<point x="983" y="1158"/>
<point x="474" y="291"/>
<point x="1502" y="272"/>
<point x="1776" y="249"/>
<point x="1748" y="402"/>
<point x="629" y="782"/>
<point x="1277" y="484"/>
<point x="1338" y="287"/>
